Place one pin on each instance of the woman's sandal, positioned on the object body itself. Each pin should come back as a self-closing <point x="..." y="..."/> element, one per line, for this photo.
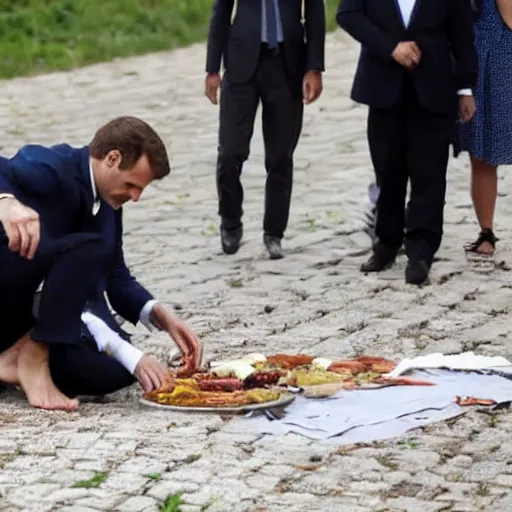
<point x="486" y="235"/>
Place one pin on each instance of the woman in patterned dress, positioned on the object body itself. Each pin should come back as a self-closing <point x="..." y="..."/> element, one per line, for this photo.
<point x="488" y="136"/>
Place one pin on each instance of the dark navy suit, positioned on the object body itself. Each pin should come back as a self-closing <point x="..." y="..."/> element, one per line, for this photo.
<point x="79" y="258"/>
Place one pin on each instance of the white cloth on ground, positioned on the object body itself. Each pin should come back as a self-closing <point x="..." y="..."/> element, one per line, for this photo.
<point x="462" y="361"/>
<point x="369" y="415"/>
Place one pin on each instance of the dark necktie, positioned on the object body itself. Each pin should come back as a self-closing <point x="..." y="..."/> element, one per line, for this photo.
<point x="271" y="23"/>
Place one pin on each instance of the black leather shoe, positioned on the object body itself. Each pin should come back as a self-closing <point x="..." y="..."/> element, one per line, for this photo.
<point x="416" y="272"/>
<point x="377" y="263"/>
<point x="230" y="239"/>
<point x="273" y="245"/>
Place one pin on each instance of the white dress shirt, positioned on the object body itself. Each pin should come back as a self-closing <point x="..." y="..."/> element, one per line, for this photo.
<point x="406" y="10"/>
<point x="107" y="339"/>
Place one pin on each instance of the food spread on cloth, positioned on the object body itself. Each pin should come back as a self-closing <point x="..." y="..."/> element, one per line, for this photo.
<point x="260" y="379"/>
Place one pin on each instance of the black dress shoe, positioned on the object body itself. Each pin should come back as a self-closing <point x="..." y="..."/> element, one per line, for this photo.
<point x="230" y="239"/>
<point x="416" y="272"/>
<point x="377" y="263"/>
<point x="273" y="245"/>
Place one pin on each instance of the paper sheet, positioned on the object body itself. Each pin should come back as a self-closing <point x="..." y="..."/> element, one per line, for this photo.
<point x="369" y="415"/>
<point x="462" y="361"/>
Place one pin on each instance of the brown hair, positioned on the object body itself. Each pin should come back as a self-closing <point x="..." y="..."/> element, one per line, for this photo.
<point x="474" y="6"/>
<point x="133" y="138"/>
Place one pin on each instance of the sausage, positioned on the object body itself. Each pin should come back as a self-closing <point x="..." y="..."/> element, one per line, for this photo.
<point x="470" y="400"/>
<point x="353" y="366"/>
<point x="226" y="385"/>
<point x="402" y="381"/>
<point x="262" y="379"/>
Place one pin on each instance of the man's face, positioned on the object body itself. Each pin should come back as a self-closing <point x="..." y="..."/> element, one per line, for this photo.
<point x="116" y="186"/>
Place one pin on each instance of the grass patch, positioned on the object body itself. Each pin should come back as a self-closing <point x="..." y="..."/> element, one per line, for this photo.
<point x="39" y="36"/>
<point x="93" y="482"/>
<point x="172" y="503"/>
<point x="153" y="476"/>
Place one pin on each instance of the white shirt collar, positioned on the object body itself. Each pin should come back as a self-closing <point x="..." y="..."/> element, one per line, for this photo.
<point x="406" y="10"/>
<point x="96" y="205"/>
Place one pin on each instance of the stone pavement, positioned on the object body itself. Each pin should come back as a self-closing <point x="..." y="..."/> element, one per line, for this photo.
<point x="119" y="456"/>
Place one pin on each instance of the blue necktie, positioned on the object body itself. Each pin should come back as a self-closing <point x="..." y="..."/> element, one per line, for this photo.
<point x="271" y="23"/>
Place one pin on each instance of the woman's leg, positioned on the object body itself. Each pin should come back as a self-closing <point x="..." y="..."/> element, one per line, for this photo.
<point x="484" y="190"/>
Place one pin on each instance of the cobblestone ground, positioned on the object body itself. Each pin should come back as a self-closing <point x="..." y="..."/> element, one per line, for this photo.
<point x="315" y="300"/>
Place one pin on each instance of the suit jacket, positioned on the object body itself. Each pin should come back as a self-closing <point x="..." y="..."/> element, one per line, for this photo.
<point x="238" y="44"/>
<point x="56" y="183"/>
<point x="443" y="29"/>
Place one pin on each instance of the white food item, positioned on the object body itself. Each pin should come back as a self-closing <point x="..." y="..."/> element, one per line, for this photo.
<point x="240" y="369"/>
<point x="322" y="362"/>
<point x="249" y="359"/>
<point x="214" y="364"/>
<point x="254" y="358"/>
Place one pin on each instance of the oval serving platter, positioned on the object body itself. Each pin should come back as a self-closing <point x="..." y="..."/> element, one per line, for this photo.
<point x="283" y="401"/>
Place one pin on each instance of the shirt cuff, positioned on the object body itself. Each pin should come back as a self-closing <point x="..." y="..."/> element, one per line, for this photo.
<point x="128" y="355"/>
<point x="465" y="92"/>
<point x="145" y="314"/>
<point x="108" y="340"/>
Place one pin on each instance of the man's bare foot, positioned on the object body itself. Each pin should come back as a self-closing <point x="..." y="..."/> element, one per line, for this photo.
<point x="9" y="365"/>
<point x="35" y="379"/>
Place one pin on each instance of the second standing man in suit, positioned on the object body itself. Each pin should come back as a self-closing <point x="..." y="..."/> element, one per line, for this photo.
<point x="405" y="75"/>
<point x="271" y="56"/>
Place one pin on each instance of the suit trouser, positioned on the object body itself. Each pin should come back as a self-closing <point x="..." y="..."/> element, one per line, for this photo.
<point x="70" y="271"/>
<point x="409" y="142"/>
<point x="282" y="123"/>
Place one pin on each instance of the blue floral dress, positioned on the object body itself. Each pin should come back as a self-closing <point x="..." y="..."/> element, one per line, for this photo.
<point x="488" y="136"/>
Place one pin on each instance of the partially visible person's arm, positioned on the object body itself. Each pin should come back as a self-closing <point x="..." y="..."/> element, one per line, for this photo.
<point x="505" y="10"/>
<point x="314" y="18"/>
<point x="34" y="170"/>
<point x="126" y="295"/>
<point x="462" y="44"/>
<point x="352" y="18"/>
<point x="133" y="302"/>
<point x="217" y="35"/>
<point x="150" y="373"/>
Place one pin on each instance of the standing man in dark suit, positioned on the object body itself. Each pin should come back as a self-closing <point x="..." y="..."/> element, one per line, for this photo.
<point x="405" y="75"/>
<point x="61" y="224"/>
<point x="269" y="56"/>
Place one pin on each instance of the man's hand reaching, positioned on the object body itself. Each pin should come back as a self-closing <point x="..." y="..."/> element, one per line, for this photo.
<point x="407" y="54"/>
<point x="152" y="374"/>
<point x="187" y="341"/>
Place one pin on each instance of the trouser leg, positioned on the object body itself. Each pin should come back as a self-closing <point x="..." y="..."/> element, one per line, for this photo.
<point x="75" y="273"/>
<point x="282" y="114"/>
<point x="238" y="106"/>
<point x="387" y="142"/>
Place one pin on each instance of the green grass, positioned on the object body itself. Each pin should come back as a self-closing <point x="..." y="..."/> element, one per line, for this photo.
<point x="172" y="503"/>
<point x="93" y="482"/>
<point x="48" y="35"/>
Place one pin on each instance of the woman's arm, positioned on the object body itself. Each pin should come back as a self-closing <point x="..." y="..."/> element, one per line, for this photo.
<point x="505" y="9"/>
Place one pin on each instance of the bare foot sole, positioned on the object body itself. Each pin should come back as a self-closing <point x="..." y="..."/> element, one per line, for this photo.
<point x="9" y="365"/>
<point x="35" y="379"/>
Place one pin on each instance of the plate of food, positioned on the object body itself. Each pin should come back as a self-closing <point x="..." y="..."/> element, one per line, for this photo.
<point x="207" y="392"/>
<point x="257" y="382"/>
<point x="311" y="374"/>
